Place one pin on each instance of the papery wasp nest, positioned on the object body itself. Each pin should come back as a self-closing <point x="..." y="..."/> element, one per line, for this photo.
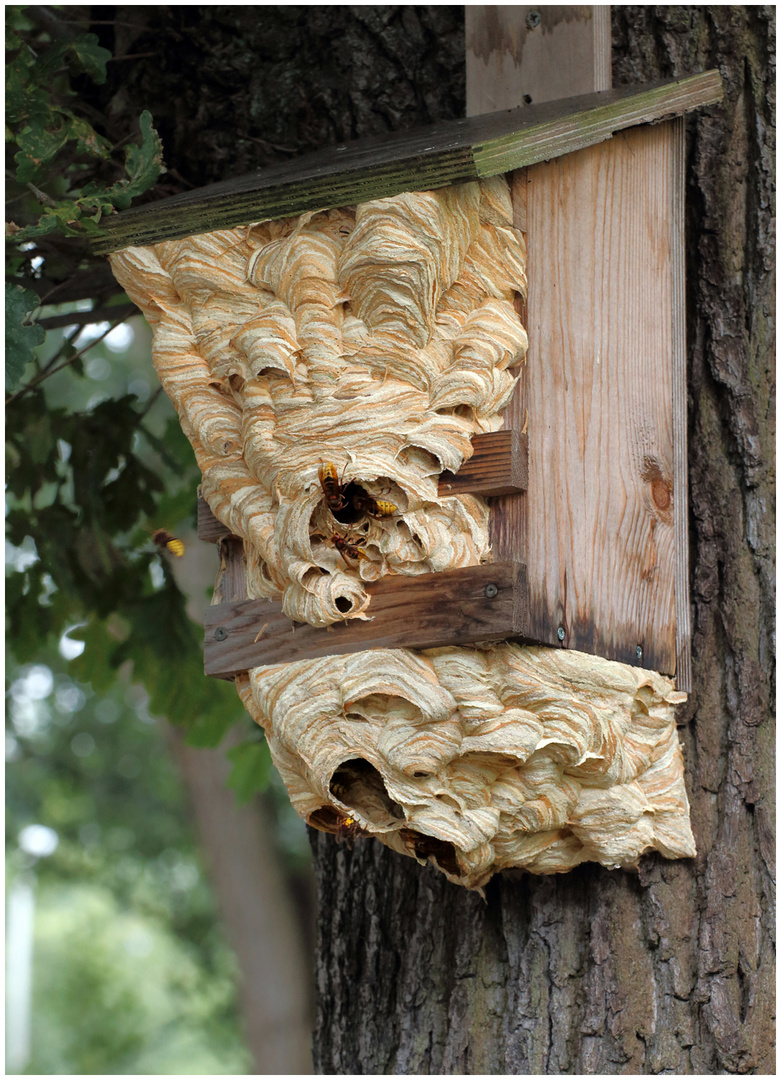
<point x="327" y="369"/>
<point x="481" y="758"/>
<point x="377" y="339"/>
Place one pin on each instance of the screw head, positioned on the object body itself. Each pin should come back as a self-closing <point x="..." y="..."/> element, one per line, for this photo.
<point x="639" y="652"/>
<point x="561" y="633"/>
<point x="533" y="19"/>
<point x="220" y="633"/>
<point x="490" y="591"/>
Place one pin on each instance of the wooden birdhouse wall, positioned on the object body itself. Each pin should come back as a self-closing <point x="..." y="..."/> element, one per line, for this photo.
<point x="604" y="401"/>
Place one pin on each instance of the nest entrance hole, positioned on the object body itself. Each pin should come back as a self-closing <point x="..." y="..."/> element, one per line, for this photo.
<point x="349" y="514"/>
<point x="357" y="784"/>
<point x="441" y="851"/>
<point x="355" y="497"/>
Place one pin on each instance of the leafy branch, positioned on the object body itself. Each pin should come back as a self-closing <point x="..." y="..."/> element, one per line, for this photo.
<point x="83" y="485"/>
<point x="52" y="140"/>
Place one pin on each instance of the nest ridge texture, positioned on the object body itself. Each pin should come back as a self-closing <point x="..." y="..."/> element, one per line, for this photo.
<point x="380" y="339"/>
<point x="481" y="757"/>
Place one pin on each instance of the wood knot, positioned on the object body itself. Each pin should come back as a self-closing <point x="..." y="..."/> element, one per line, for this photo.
<point x="661" y="494"/>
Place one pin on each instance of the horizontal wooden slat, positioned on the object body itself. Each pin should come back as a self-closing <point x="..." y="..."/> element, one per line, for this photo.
<point x="424" y="159"/>
<point x="499" y="465"/>
<point x="474" y="603"/>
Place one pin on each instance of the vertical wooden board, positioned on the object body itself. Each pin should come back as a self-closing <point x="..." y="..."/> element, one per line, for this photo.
<point x="519" y="55"/>
<point x="231" y="582"/>
<point x="508" y="521"/>
<point x="680" y="439"/>
<point x="601" y="542"/>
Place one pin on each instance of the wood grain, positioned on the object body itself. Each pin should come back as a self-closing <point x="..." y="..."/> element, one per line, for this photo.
<point x="448" y="153"/>
<point x="474" y="603"/>
<point x="507" y="526"/>
<point x="683" y="644"/>
<point x="499" y="465"/>
<point x="602" y="484"/>
<point x="512" y="52"/>
<point x="231" y="583"/>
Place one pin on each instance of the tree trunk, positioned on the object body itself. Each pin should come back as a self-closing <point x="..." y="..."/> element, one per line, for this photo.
<point x="258" y="911"/>
<point x="596" y="971"/>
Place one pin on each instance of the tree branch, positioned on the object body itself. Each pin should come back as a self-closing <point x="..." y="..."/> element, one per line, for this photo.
<point x="48" y="371"/>
<point x="84" y="318"/>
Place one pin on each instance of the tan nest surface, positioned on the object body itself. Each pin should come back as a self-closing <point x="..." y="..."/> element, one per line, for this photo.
<point x="379" y="338"/>
<point x="482" y="757"/>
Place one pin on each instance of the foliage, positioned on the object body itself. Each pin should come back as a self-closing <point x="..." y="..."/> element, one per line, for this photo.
<point x="251" y="768"/>
<point x="131" y="974"/>
<point x="90" y="473"/>
<point x="85" y="487"/>
<point x="22" y="335"/>
<point x="58" y="148"/>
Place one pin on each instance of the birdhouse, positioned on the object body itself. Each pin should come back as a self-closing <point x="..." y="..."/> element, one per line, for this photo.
<point x="435" y="383"/>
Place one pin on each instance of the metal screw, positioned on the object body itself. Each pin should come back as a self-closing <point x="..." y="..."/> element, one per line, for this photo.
<point x="561" y="633"/>
<point x="533" y="19"/>
<point x="220" y="633"/>
<point x="639" y="652"/>
<point x="490" y="591"/>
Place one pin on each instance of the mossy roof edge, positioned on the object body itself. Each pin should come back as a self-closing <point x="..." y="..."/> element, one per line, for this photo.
<point x="451" y="152"/>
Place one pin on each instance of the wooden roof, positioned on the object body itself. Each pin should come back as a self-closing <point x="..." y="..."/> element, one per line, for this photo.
<point x="451" y="152"/>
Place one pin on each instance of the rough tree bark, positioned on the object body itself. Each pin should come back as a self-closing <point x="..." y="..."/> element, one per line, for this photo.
<point x="671" y="969"/>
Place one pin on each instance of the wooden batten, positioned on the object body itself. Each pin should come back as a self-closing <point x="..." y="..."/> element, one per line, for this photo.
<point x="499" y="465"/>
<point x="458" y="607"/>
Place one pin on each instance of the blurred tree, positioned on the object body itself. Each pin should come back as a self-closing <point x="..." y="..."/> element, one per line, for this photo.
<point x="124" y="893"/>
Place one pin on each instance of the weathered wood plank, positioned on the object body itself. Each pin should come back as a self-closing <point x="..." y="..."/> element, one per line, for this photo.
<point x="522" y="55"/>
<point x="425" y="159"/>
<point x="602" y="484"/>
<point x="499" y="465"/>
<point x="231" y="582"/>
<point x="683" y="643"/>
<point x="474" y="603"/>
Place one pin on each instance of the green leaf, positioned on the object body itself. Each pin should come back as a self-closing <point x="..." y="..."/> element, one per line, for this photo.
<point x="143" y="165"/>
<point x="87" y="139"/>
<point x="21" y="335"/>
<point x="23" y="99"/>
<point x="90" y="57"/>
<point x="39" y="438"/>
<point x="48" y="223"/>
<point x="251" y="770"/>
<point x="94" y="665"/>
<point x="42" y="139"/>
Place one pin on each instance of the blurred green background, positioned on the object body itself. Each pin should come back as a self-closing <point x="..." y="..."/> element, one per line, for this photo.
<point x="132" y="971"/>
